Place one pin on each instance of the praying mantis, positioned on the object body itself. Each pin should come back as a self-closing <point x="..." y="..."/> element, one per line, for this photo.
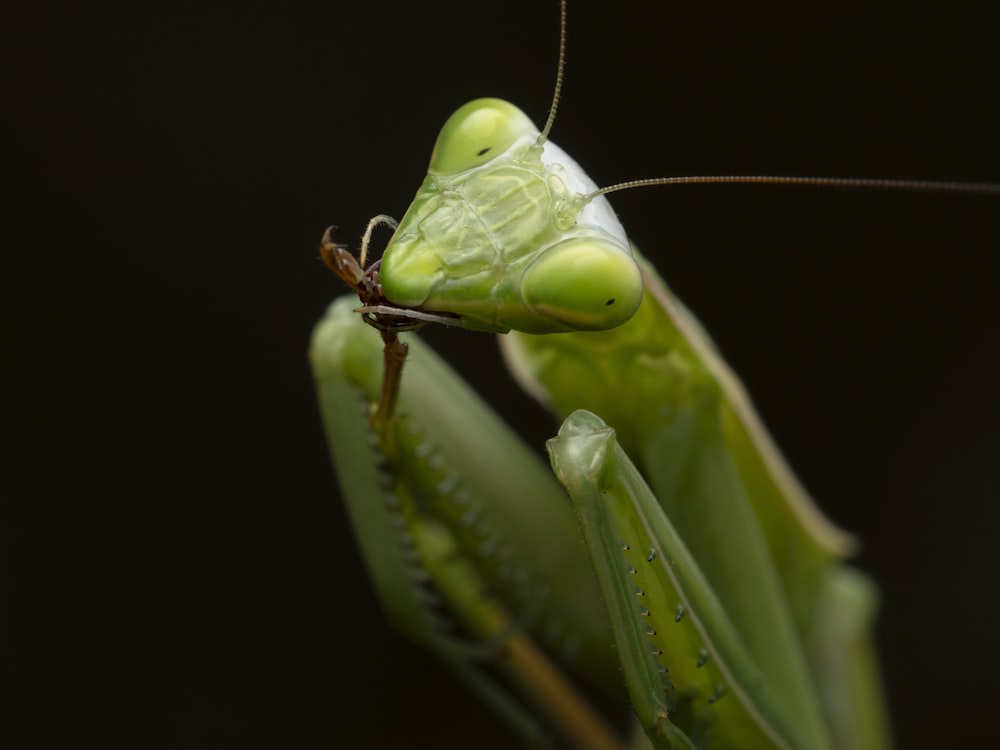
<point x="734" y="620"/>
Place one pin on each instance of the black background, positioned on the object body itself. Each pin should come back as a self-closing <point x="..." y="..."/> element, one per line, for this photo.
<point x="180" y="571"/>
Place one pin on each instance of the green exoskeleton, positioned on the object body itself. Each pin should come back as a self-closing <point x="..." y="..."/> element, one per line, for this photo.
<point x="720" y="595"/>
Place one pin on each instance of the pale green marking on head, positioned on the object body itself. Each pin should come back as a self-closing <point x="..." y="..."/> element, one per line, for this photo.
<point x="476" y="133"/>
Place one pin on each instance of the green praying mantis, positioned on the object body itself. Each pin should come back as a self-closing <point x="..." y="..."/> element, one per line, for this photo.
<point x="687" y="562"/>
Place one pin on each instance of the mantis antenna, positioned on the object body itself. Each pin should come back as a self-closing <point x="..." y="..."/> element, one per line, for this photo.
<point x="560" y="72"/>
<point x="877" y="183"/>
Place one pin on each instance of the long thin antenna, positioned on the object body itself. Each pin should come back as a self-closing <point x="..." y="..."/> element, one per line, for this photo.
<point x="834" y="182"/>
<point x="982" y="188"/>
<point x="544" y="135"/>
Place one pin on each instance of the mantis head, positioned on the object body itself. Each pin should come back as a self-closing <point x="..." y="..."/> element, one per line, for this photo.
<point x="505" y="233"/>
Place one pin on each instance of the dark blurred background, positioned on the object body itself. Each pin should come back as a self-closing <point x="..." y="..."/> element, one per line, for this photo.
<point x="178" y="568"/>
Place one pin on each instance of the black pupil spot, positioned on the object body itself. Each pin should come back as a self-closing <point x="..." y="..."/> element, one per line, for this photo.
<point x="610" y="302"/>
<point x="482" y="151"/>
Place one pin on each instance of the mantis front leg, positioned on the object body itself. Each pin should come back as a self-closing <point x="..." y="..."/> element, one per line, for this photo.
<point x="763" y="547"/>
<point x="470" y="542"/>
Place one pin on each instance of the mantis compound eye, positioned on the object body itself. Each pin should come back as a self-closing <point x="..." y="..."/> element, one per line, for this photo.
<point x="585" y="283"/>
<point x="476" y="133"/>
